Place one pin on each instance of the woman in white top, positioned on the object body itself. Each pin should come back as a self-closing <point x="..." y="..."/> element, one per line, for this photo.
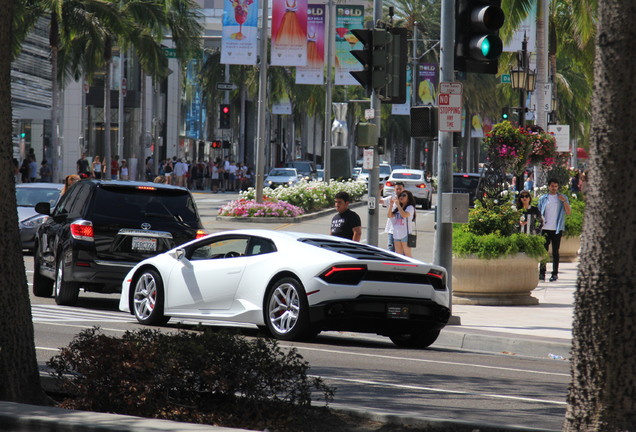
<point x="123" y="170"/>
<point x="401" y="213"/>
<point x="97" y="168"/>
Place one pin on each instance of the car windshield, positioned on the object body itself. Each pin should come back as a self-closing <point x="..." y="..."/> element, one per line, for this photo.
<point x="29" y="197"/>
<point x="282" y="172"/>
<point x="406" y="176"/>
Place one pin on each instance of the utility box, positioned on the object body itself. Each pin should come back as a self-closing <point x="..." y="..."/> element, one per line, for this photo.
<point x="366" y="135"/>
<point x="455" y="208"/>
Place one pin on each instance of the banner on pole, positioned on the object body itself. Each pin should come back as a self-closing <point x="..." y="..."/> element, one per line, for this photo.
<point x="240" y="32"/>
<point x="348" y="17"/>
<point x="289" y="33"/>
<point x="314" y="72"/>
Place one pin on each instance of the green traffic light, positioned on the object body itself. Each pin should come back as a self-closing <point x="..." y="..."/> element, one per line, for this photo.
<point x="504" y="116"/>
<point x="485" y="48"/>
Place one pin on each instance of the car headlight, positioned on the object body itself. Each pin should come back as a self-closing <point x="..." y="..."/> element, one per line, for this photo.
<point x="34" y="221"/>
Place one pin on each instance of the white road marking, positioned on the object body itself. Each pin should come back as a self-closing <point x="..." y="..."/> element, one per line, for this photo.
<point x="440" y="390"/>
<point x="432" y="361"/>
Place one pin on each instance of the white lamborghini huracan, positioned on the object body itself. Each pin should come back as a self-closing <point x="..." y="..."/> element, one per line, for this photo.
<point x="292" y="284"/>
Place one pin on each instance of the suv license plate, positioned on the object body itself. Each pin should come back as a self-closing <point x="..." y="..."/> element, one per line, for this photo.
<point x="396" y="311"/>
<point x="144" y="244"/>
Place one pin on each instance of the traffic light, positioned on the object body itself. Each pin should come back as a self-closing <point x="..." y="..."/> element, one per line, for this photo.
<point x="424" y="122"/>
<point x="216" y="144"/>
<point x="505" y="113"/>
<point x="477" y="42"/>
<point x="365" y="57"/>
<point x="225" y="117"/>
<point x="384" y="58"/>
<point x="394" y="91"/>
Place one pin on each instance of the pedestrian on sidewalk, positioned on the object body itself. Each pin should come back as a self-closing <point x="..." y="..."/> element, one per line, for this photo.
<point x="401" y="213"/>
<point x="531" y="219"/>
<point x="388" y="229"/>
<point x="346" y="223"/>
<point x="553" y="206"/>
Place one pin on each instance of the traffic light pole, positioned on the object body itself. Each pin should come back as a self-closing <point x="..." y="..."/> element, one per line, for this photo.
<point x="443" y="252"/>
<point x="262" y="104"/>
<point x="374" y="172"/>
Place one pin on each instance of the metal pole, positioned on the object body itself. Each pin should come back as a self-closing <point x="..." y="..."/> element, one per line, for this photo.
<point x="120" y="113"/>
<point x="331" y="36"/>
<point x="443" y="255"/>
<point x="262" y="105"/>
<point x="413" y="92"/>
<point x="374" y="172"/>
<point x="523" y="64"/>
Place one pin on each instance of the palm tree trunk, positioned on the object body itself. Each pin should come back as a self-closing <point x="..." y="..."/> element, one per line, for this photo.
<point x="19" y="374"/>
<point x="601" y="395"/>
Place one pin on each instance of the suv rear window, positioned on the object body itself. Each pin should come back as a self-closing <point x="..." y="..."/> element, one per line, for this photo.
<point x="461" y="182"/>
<point x="133" y="203"/>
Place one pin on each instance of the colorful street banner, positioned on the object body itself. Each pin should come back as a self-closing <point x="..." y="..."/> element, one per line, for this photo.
<point x="289" y="33"/>
<point x="426" y="84"/>
<point x="348" y="17"/>
<point x="314" y="72"/>
<point x="240" y="32"/>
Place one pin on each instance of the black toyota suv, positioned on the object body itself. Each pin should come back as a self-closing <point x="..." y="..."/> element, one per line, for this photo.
<point x="100" y="229"/>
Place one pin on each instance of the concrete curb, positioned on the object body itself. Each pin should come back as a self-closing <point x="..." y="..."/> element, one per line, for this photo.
<point x="503" y="343"/>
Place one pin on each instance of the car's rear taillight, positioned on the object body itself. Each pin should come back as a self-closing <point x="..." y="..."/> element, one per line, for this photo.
<point x="83" y="230"/>
<point x="421" y="186"/>
<point x="344" y="274"/>
<point x="389" y="183"/>
<point x="438" y="274"/>
<point x="200" y="233"/>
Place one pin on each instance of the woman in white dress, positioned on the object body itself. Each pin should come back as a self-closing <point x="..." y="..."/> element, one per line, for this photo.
<point x="401" y="213"/>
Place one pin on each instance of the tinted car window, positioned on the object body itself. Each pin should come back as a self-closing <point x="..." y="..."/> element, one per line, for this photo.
<point x="465" y="182"/>
<point x="65" y="204"/>
<point x="130" y="203"/>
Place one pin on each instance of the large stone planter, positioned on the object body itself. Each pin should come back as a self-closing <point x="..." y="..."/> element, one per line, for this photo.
<point x="569" y="249"/>
<point x="502" y="281"/>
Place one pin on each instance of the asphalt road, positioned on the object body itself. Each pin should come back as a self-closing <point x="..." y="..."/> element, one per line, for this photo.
<point x="370" y="373"/>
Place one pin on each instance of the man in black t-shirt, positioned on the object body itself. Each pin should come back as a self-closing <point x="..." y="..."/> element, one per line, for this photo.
<point x="82" y="167"/>
<point x="346" y="223"/>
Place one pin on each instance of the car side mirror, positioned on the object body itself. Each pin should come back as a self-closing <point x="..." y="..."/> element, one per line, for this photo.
<point x="179" y="254"/>
<point x="43" y="208"/>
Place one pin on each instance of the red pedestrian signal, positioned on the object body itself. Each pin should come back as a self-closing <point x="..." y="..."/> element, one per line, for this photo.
<point x="217" y="144"/>
<point x="225" y="117"/>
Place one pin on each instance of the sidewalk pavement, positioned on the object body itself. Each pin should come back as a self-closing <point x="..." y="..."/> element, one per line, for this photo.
<point x="543" y="330"/>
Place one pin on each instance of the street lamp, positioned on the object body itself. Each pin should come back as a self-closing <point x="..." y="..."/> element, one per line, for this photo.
<point x="523" y="79"/>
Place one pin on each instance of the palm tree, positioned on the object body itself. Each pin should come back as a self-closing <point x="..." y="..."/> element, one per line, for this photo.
<point x="19" y="376"/>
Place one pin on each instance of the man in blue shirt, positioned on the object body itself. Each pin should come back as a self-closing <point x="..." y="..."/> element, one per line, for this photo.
<point x="553" y="207"/>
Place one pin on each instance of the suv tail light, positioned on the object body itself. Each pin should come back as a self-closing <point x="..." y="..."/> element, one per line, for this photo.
<point x="83" y="230"/>
<point x="200" y="233"/>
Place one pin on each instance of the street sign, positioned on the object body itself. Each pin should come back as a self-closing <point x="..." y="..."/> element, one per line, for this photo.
<point x="455" y="88"/>
<point x="449" y="103"/>
<point x="562" y="135"/>
<point x="170" y="52"/>
<point x="505" y="79"/>
<point x="369" y="113"/>
<point x="225" y="86"/>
